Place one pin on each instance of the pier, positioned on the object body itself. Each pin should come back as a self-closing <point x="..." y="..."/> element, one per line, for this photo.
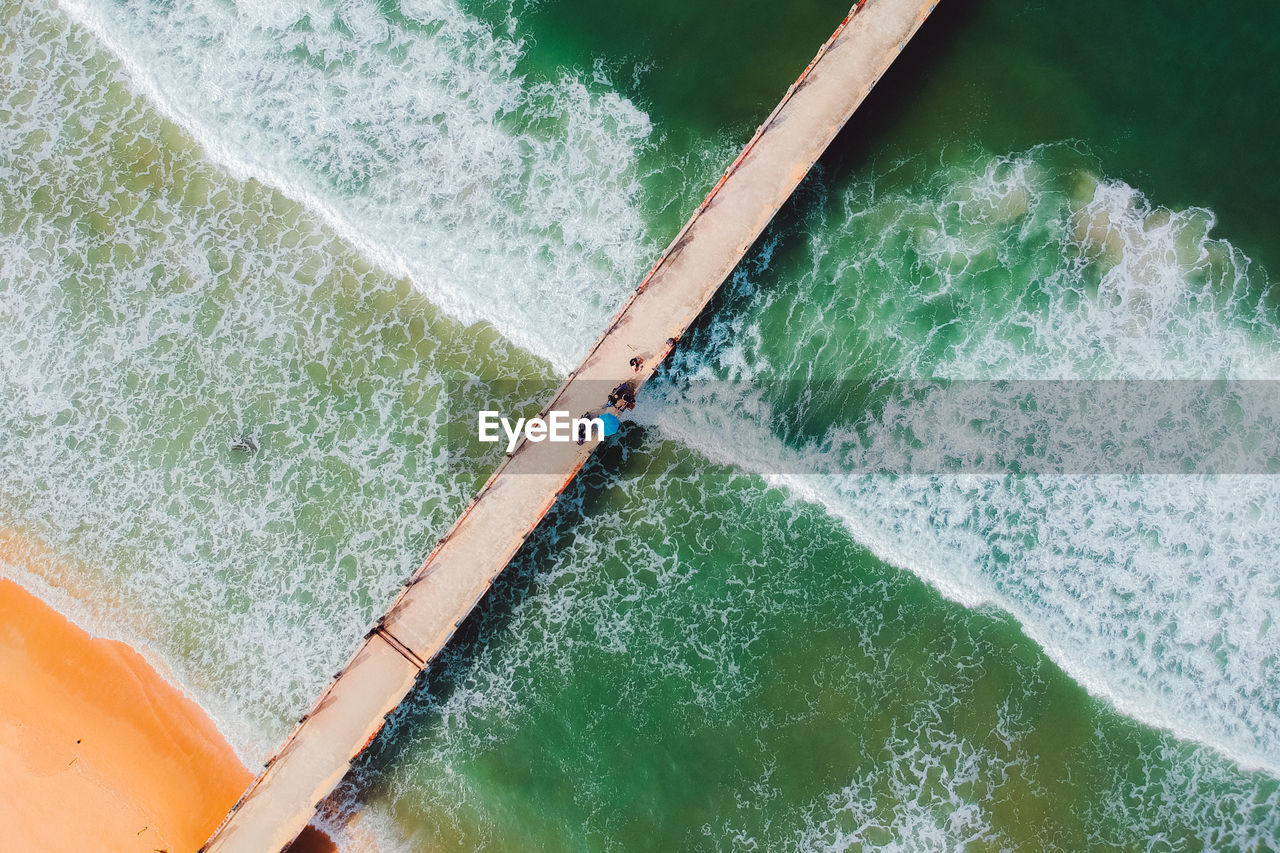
<point x="510" y="505"/>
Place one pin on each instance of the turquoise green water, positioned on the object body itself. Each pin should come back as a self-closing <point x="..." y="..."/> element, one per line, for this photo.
<point x="305" y="222"/>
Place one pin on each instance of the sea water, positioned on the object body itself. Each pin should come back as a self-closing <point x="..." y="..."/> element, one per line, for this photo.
<point x="304" y="222"/>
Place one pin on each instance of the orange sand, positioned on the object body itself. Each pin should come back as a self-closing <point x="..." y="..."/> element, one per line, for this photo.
<point x="97" y="751"/>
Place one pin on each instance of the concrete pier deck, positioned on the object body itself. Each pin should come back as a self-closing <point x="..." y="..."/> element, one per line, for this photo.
<point x="514" y="500"/>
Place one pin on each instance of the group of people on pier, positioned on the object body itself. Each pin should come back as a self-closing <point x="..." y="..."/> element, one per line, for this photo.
<point x="622" y="397"/>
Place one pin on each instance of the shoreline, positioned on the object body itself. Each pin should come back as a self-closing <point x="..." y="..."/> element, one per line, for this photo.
<point x="98" y="749"/>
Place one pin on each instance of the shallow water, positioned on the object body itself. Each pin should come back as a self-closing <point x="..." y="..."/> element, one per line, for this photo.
<point x="304" y="223"/>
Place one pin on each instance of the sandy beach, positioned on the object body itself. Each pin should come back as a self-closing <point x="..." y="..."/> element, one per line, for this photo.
<point x="98" y="751"/>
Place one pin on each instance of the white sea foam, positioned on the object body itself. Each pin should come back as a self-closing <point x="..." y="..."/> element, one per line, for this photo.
<point x="466" y="206"/>
<point x="933" y="791"/>
<point x="1159" y="593"/>
<point x="503" y="198"/>
<point x="148" y="315"/>
<point x="1160" y="268"/>
<point x="927" y="796"/>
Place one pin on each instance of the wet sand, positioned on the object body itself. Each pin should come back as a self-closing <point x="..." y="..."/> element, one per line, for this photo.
<point x="97" y="750"/>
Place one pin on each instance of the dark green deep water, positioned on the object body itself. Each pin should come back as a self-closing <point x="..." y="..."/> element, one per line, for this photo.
<point x="1171" y="97"/>
<point x="692" y="654"/>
